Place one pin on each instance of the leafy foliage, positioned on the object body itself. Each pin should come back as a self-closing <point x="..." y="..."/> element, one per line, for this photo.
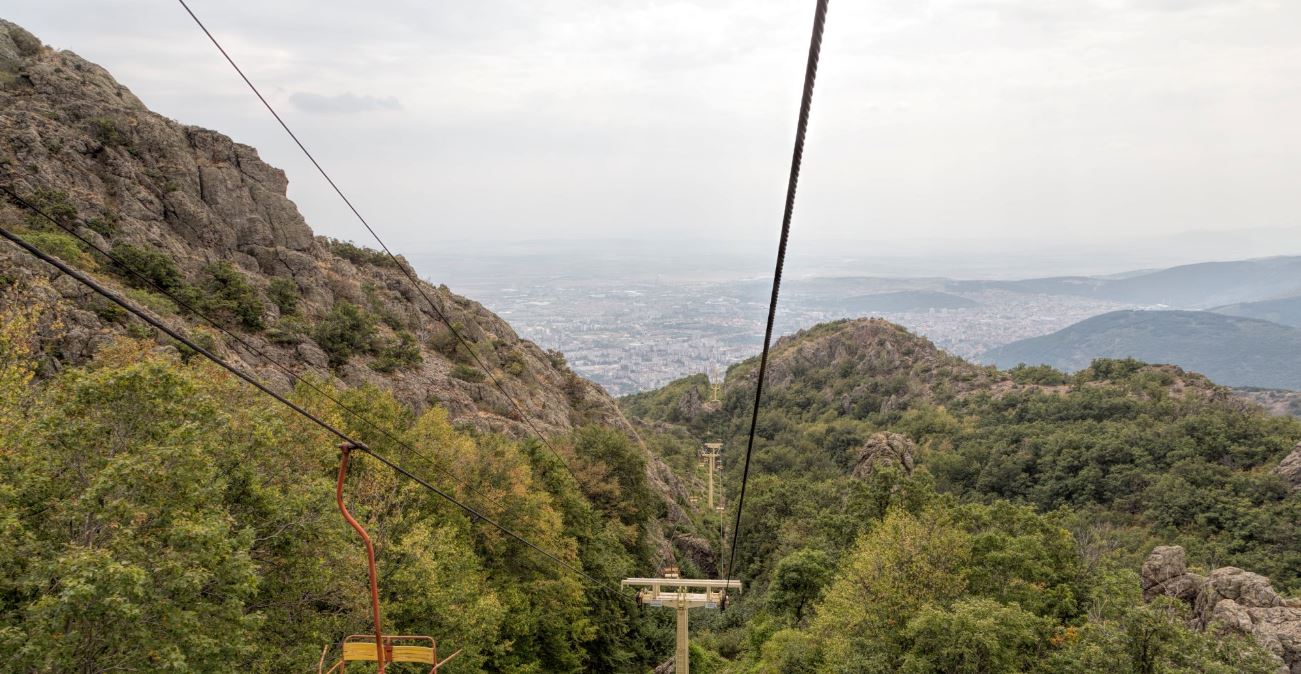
<point x="160" y="516"/>
<point x="347" y="330"/>
<point x="1012" y="545"/>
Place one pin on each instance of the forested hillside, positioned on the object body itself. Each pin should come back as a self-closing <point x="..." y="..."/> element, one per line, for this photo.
<point x="160" y="515"/>
<point x="1232" y="350"/>
<point x="908" y="511"/>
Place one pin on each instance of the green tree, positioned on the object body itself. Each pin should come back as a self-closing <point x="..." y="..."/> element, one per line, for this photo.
<point x="975" y="636"/>
<point x="797" y="582"/>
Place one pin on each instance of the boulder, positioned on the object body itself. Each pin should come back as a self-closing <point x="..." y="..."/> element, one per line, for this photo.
<point x="1290" y="468"/>
<point x="1229" y="599"/>
<point x="884" y="449"/>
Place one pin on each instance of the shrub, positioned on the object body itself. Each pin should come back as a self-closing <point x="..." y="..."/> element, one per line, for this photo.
<point x="466" y="373"/>
<point x="287" y="331"/>
<point x="54" y="203"/>
<point x="359" y="254"/>
<point x="106" y="131"/>
<point x="402" y="355"/>
<point x="154" y="265"/>
<point x="152" y="301"/>
<point x="62" y="246"/>
<point x="228" y="291"/>
<point x="284" y="294"/>
<point x="346" y="331"/>
<point x="104" y="225"/>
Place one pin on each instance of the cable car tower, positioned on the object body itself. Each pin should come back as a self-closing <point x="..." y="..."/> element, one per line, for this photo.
<point x="710" y="457"/>
<point x="681" y="594"/>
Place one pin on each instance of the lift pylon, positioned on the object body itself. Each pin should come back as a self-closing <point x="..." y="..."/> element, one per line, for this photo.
<point x="710" y="455"/>
<point x="682" y="594"/>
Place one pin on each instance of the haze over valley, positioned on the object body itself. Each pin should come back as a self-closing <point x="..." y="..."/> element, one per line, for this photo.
<point x="634" y="317"/>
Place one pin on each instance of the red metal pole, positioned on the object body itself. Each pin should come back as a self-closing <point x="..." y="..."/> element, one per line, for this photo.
<point x="347" y="448"/>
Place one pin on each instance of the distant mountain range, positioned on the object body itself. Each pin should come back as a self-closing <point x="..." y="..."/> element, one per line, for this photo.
<point x="1193" y="286"/>
<point x="1286" y="311"/>
<point x="1231" y="350"/>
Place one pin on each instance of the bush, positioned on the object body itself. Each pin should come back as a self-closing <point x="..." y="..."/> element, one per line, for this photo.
<point x="106" y="131"/>
<point x="283" y="293"/>
<point x="62" y="246"/>
<point x="346" y="331"/>
<point x="152" y="301"/>
<point x="402" y="355"/>
<point x="153" y="265"/>
<point x="288" y="330"/>
<point x="466" y="373"/>
<point x="359" y="254"/>
<point x="104" y="225"/>
<point x="227" y="291"/>
<point x="54" y="203"/>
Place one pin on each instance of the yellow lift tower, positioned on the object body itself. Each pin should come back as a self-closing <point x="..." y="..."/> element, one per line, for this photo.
<point x="682" y="594"/>
<point x="710" y="456"/>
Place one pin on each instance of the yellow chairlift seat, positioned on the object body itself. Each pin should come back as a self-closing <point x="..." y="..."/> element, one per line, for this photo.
<point x="361" y="648"/>
<point x="377" y="648"/>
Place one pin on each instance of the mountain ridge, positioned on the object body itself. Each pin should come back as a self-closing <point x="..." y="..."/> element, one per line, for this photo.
<point x="1231" y="350"/>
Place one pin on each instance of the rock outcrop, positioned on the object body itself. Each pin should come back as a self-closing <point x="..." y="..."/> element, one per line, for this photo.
<point x="1290" y="468"/>
<point x="1232" y="599"/>
<point x="884" y="449"/>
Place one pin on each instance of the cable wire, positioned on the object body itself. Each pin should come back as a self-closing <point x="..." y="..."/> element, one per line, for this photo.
<point x="405" y="271"/>
<point x="797" y="157"/>
<point x="142" y="315"/>
<point x="245" y="343"/>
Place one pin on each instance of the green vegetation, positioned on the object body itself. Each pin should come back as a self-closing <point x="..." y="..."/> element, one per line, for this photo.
<point x="54" y="203"/>
<point x="1014" y="544"/>
<point x="468" y="373"/>
<point x="160" y="516"/>
<point x="153" y="265"/>
<point x="361" y="254"/>
<point x="283" y="292"/>
<point x="63" y="246"/>
<point x="346" y="331"/>
<point x="227" y="293"/>
<point x="403" y="354"/>
<point x="106" y="131"/>
<point x="1231" y="350"/>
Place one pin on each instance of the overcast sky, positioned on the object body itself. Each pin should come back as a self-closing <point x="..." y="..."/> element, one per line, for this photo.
<point x="936" y="122"/>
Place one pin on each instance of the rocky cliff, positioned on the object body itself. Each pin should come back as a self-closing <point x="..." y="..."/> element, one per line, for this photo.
<point x="209" y="217"/>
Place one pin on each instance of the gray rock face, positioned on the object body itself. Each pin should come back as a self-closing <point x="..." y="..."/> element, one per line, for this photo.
<point x="68" y="128"/>
<point x="1290" y="468"/>
<point x="1165" y="573"/>
<point x="884" y="449"/>
<point x="1229" y="599"/>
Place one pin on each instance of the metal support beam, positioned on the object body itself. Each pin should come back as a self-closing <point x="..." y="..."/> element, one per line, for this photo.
<point x="711" y="458"/>
<point x="682" y="594"/>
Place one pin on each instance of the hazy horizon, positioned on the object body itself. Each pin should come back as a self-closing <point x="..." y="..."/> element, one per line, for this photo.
<point x="939" y="128"/>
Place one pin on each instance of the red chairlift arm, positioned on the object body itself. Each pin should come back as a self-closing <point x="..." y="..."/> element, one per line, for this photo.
<point x="346" y="451"/>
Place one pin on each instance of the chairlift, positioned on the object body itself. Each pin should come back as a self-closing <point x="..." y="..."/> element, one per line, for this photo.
<point x="378" y="648"/>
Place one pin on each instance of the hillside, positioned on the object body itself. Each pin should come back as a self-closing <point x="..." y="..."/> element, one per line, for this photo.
<point x="910" y="511"/>
<point x="200" y="206"/>
<point x="1286" y="311"/>
<point x="1230" y="350"/>
<point x="161" y="515"/>
<point x="1193" y="286"/>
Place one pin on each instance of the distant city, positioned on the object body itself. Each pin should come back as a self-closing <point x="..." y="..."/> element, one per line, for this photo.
<point x="636" y="323"/>
<point x="635" y="337"/>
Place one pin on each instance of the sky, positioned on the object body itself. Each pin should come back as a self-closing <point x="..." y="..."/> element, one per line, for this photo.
<point x="939" y="127"/>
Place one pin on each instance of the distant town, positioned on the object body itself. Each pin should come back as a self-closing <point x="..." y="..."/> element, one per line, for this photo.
<point x="631" y="338"/>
